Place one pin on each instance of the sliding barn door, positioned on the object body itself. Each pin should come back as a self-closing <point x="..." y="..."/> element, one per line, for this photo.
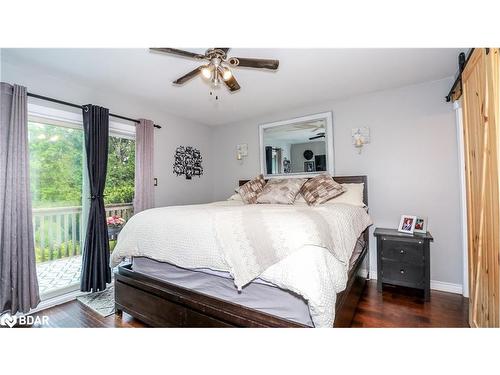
<point x="480" y="84"/>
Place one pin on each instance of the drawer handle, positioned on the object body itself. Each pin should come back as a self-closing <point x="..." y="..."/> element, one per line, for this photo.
<point x="402" y="272"/>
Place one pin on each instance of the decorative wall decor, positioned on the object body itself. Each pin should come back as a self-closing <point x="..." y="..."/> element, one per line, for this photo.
<point x="187" y="161"/>
<point x="308" y="154"/>
<point x="309" y="166"/>
<point x="360" y="137"/>
<point x="287" y="168"/>
<point x="241" y="150"/>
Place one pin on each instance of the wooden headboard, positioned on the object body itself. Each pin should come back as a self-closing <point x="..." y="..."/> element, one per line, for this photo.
<point x="342" y="180"/>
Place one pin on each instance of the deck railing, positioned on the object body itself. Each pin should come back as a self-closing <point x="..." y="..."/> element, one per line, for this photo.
<point x="58" y="230"/>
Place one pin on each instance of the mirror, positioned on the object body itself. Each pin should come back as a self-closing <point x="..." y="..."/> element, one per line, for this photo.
<point x="300" y="146"/>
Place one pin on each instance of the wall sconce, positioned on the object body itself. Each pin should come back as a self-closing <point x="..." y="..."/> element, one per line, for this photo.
<point x="360" y="137"/>
<point x="241" y="151"/>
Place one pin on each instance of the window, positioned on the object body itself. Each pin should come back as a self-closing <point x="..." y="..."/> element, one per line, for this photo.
<point x="58" y="177"/>
<point x="119" y="190"/>
<point x="121" y="171"/>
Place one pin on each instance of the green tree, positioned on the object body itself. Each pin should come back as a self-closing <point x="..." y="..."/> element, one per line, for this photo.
<point x="121" y="171"/>
<point x="56" y="167"/>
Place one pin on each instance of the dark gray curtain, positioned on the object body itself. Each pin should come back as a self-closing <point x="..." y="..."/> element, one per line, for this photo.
<point x="18" y="280"/>
<point x="95" y="264"/>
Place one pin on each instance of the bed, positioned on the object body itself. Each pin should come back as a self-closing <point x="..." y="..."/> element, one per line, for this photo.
<point x="165" y="294"/>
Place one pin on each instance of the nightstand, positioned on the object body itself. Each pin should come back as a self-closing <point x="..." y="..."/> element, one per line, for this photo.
<point x="403" y="259"/>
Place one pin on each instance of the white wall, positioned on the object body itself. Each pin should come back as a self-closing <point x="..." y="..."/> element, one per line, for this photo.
<point x="171" y="190"/>
<point x="411" y="163"/>
<point x="297" y="153"/>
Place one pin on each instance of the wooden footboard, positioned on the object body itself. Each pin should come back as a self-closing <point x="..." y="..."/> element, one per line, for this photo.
<point x="161" y="304"/>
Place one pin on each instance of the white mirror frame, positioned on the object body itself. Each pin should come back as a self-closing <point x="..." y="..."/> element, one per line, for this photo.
<point x="327" y="116"/>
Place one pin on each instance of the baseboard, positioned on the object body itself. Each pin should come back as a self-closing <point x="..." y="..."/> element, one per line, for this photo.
<point x="446" y="287"/>
<point x="435" y="285"/>
<point x="59" y="300"/>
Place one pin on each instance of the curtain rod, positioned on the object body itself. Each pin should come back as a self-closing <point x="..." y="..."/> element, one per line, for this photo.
<point x="79" y="106"/>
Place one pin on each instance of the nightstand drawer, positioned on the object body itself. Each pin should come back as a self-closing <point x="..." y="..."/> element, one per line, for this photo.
<point x="402" y="273"/>
<point x="407" y="252"/>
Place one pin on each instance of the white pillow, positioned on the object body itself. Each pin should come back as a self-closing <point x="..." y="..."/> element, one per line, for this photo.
<point x="299" y="199"/>
<point x="353" y="195"/>
<point x="235" y="197"/>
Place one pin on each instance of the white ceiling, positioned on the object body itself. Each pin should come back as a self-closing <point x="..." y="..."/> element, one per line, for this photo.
<point x="294" y="133"/>
<point x="305" y="76"/>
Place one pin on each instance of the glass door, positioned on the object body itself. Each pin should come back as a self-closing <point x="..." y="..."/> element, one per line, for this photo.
<point x="58" y="176"/>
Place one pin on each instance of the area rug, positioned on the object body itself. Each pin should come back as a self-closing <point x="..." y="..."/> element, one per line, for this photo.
<point x="102" y="303"/>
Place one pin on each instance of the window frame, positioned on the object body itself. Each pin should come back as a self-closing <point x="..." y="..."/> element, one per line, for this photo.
<point x="67" y="119"/>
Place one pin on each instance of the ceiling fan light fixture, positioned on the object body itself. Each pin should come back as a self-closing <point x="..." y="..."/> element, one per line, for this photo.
<point x="217" y="68"/>
<point x="227" y="74"/>
<point x="206" y="72"/>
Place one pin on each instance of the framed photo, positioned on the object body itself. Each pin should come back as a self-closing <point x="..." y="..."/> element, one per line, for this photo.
<point x="407" y="224"/>
<point x="421" y="225"/>
<point x="309" y="166"/>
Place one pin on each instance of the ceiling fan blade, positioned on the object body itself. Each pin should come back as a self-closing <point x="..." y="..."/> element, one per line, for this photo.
<point x="188" y="76"/>
<point x="226" y="50"/>
<point x="320" y="135"/>
<point x="232" y="84"/>
<point x="179" y="52"/>
<point x="254" y="63"/>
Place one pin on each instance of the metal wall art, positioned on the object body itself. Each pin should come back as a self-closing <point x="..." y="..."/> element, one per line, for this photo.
<point x="187" y="161"/>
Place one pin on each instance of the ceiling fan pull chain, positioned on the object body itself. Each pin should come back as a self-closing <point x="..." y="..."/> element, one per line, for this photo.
<point x="216" y="96"/>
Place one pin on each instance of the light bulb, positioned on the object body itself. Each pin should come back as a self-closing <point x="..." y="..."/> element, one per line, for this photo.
<point x="227" y="74"/>
<point x="206" y="72"/>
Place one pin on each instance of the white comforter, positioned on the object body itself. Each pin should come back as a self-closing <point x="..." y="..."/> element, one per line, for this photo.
<point x="299" y="248"/>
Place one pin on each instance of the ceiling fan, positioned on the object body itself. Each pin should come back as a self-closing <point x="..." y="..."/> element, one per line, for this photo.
<point x="217" y="66"/>
<point x="319" y="135"/>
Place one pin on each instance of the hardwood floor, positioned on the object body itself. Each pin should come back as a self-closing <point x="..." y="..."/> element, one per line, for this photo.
<point x="404" y="307"/>
<point x="395" y="307"/>
<point x="75" y="314"/>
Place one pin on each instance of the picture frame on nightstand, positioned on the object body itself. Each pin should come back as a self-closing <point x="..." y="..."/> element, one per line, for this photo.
<point x="407" y="224"/>
<point x="420" y="225"/>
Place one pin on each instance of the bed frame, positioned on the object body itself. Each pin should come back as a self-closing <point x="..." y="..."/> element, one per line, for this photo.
<point x="161" y="304"/>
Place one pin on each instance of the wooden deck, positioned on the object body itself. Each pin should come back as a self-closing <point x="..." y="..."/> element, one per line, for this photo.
<point x="395" y="307"/>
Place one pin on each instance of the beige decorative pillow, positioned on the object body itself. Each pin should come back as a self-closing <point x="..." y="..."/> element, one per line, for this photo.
<point x="281" y="190"/>
<point x="252" y="189"/>
<point x="320" y="189"/>
<point x="353" y="195"/>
